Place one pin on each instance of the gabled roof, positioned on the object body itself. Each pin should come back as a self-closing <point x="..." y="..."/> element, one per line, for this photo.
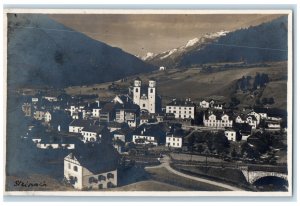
<point x="217" y="113"/>
<point x="108" y="107"/>
<point x="97" y="158"/>
<point x="82" y="123"/>
<point x="154" y="130"/>
<point x="94" y="128"/>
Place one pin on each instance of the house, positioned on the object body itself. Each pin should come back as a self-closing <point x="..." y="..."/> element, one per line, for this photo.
<point x="98" y="172"/>
<point x="154" y="134"/>
<point x="92" y="133"/>
<point x="127" y="112"/>
<point x="218" y="105"/>
<point x="55" y="142"/>
<point x="161" y="68"/>
<point x="247" y="118"/>
<point x="34" y="100"/>
<point x="174" y="137"/>
<point x="39" y="115"/>
<point x="123" y="135"/>
<point x="107" y="113"/>
<point x="77" y="125"/>
<point x="273" y="124"/>
<point x="230" y="134"/>
<point x="113" y="126"/>
<point x="204" y="104"/>
<point x="51" y="98"/>
<point x="216" y="119"/>
<point x="243" y="130"/>
<point x="47" y="117"/>
<point x="76" y="110"/>
<point x="181" y="109"/>
<point x="146" y="118"/>
<point x="60" y="120"/>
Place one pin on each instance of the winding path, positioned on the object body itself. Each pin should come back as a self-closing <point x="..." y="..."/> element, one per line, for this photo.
<point x="165" y="162"/>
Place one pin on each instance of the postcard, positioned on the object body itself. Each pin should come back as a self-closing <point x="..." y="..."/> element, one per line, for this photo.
<point x="148" y="102"/>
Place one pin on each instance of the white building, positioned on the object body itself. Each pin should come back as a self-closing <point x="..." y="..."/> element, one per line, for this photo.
<point x="96" y="112"/>
<point x="216" y="119"/>
<point x="204" y="104"/>
<point x="249" y="119"/>
<point x="77" y="125"/>
<point x="230" y="134"/>
<point x="51" y="98"/>
<point x="48" y="117"/>
<point x="87" y="173"/>
<point x="146" y="99"/>
<point x="174" y="138"/>
<point x="181" y="109"/>
<point x="162" y="68"/>
<point x="93" y="133"/>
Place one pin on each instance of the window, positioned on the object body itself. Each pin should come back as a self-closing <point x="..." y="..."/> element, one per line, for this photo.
<point x="144" y="105"/>
<point x="69" y="166"/>
<point x="151" y="90"/>
<point x="75" y="168"/>
<point x="101" y="177"/>
<point x="136" y="90"/>
<point x="100" y="186"/>
<point x="177" y="144"/>
<point x="92" y="180"/>
<point x="110" y="175"/>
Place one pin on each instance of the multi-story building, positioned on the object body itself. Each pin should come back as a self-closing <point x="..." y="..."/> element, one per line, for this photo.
<point x="174" y="137"/>
<point x="216" y="119"/>
<point x="181" y="109"/>
<point x="98" y="172"/>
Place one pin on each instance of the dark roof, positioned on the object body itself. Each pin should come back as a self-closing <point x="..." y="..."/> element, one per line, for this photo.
<point x="155" y="130"/>
<point x="96" y="157"/>
<point x="176" y="130"/>
<point x="243" y="127"/>
<point x="108" y="107"/>
<point x="116" y="124"/>
<point x="181" y="103"/>
<point x="138" y="78"/>
<point x="82" y="123"/>
<point x="94" y="128"/>
<point x="261" y="110"/>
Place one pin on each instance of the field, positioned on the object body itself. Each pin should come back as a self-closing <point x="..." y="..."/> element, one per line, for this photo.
<point x="191" y="83"/>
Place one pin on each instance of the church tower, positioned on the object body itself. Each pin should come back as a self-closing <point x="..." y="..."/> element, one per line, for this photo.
<point x="151" y="96"/>
<point x="137" y="91"/>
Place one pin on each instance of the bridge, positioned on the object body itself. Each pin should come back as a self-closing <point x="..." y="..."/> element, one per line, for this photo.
<point x="254" y="173"/>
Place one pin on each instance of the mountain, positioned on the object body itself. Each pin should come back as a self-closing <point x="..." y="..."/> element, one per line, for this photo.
<point x="262" y="43"/>
<point x="43" y="52"/>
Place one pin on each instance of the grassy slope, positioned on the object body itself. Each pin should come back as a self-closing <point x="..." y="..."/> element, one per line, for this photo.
<point x="190" y="83"/>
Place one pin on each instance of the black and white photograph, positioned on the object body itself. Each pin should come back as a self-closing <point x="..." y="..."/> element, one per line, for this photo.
<point x="164" y="102"/>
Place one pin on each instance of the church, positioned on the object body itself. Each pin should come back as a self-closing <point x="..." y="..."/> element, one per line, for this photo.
<point x="146" y="97"/>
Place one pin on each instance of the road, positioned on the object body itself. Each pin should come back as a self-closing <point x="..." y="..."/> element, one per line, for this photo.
<point x="165" y="163"/>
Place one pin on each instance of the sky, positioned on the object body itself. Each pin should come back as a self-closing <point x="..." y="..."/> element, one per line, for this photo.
<point x="142" y="33"/>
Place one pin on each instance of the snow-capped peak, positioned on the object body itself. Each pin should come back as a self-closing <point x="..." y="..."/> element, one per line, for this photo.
<point x="216" y="34"/>
<point x="148" y="56"/>
<point x="192" y="42"/>
<point x="168" y="53"/>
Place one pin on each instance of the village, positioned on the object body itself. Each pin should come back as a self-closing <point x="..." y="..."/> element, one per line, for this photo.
<point x="100" y="139"/>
